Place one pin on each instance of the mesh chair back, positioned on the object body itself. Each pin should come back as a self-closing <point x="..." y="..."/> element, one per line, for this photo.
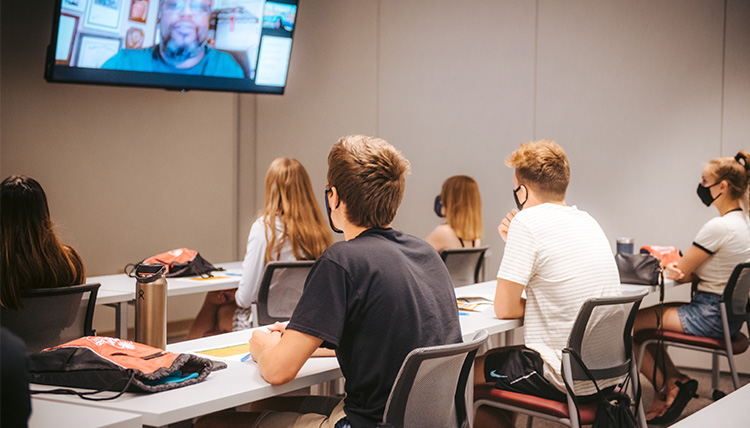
<point x="602" y="336"/>
<point x="464" y="264"/>
<point x="51" y="316"/>
<point x="736" y="294"/>
<point x="430" y="388"/>
<point x="281" y="289"/>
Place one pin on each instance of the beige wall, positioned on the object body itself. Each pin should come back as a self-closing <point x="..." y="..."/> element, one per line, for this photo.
<point x="639" y="92"/>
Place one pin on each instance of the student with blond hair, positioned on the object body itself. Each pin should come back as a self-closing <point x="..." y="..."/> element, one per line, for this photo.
<point x="460" y="204"/>
<point x="290" y="227"/>
<point x="372" y="298"/>
<point x="540" y="238"/>
<point x="720" y="245"/>
<point x="31" y="255"/>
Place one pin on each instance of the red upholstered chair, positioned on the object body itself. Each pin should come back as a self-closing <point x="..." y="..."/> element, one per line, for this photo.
<point x="734" y="308"/>
<point x="594" y="336"/>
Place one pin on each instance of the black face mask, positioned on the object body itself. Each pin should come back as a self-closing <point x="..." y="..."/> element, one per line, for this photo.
<point x="704" y="192"/>
<point x="439" y="206"/>
<point x="328" y="211"/>
<point x="520" y="204"/>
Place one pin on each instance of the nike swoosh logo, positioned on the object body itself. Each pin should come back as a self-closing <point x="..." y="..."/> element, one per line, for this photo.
<point x="493" y="373"/>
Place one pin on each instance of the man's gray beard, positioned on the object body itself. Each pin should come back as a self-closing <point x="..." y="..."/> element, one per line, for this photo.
<point x="178" y="54"/>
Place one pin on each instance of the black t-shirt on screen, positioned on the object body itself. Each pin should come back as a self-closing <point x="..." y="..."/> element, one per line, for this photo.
<point x="374" y="299"/>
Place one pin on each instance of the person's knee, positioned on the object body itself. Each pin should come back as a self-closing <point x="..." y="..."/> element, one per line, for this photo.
<point x="224" y="317"/>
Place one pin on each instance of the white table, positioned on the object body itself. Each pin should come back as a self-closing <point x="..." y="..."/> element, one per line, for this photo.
<point x="46" y="413"/>
<point x="241" y="383"/>
<point x="729" y="412"/>
<point x="118" y="290"/>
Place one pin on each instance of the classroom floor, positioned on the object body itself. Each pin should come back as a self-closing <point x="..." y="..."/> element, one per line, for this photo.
<point x="703" y="400"/>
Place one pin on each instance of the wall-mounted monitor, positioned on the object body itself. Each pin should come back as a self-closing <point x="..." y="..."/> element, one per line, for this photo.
<point x="218" y="45"/>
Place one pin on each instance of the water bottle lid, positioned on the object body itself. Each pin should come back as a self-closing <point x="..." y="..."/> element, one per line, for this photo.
<point x="149" y="272"/>
<point x="625" y="240"/>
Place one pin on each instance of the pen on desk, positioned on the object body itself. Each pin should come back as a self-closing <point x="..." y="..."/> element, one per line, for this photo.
<point x="245" y="358"/>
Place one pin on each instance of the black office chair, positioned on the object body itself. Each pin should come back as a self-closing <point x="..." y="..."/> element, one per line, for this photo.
<point x="735" y="307"/>
<point x="464" y="264"/>
<point x="594" y="337"/>
<point x="280" y="290"/>
<point x="52" y="316"/>
<point x="430" y="389"/>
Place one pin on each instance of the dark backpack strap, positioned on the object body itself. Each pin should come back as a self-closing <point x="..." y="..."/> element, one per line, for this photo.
<point x="86" y="395"/>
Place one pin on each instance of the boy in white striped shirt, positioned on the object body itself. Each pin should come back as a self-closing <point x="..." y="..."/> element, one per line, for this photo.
<point x="560" y="256"/>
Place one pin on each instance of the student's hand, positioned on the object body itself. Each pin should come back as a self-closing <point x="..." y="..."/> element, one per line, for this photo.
<point x="278" y="326"/>
<point x="228" y="295"/>
<point x="505" y="224"/>
<point x="220" y="297"/>
<point x="671" y="271"/>
<point x="262" y="340"/>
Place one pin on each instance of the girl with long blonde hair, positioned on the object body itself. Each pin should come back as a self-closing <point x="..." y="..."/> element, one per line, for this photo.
<point x="290" y="227"/>
<point x="460" y="204"/>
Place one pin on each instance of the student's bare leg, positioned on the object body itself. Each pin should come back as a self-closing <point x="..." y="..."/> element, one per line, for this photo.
<point x="647" y="319"/>
<point x="207" y="319"/>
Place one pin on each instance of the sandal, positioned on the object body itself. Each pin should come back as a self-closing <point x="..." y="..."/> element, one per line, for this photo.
<point x="686" y="393"/>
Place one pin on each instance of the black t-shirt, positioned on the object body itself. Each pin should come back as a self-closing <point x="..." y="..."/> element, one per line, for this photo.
<point x="14" y="381"/>
<point x="374" y="299"/>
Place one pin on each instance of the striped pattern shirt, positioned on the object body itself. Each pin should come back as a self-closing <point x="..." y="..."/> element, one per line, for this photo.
<point x="562" y="257"/>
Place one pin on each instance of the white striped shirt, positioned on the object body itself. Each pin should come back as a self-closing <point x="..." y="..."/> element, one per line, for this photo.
<point x="562" y="257"/>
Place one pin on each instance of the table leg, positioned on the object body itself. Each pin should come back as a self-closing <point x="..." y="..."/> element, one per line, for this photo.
<point x="121" y="319"/>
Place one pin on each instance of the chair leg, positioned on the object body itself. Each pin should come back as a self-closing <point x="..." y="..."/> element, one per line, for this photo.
<point x="715" y="371"/>
<point x="530" y="422"/>
<point x="733" y="370"/>
<point x="641" y="414"/>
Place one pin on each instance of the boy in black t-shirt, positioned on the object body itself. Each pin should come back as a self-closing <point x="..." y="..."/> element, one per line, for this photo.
<point x="372" y="298"/>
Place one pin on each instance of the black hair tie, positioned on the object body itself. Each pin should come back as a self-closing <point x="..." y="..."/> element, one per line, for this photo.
<point x="742" y="161"/>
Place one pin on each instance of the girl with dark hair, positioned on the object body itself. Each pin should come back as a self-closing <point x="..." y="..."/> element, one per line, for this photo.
<point x="31" y="255"/>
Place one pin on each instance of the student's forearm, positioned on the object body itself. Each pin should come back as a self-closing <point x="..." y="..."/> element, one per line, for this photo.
<point x="504" y="310"/>
<point x="273" y="370"/>
<point x="509" y="302"/>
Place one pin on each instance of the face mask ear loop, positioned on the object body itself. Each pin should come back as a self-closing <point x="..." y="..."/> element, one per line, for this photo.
<point x="520" y="205"/>
<point x="328" y="211"/>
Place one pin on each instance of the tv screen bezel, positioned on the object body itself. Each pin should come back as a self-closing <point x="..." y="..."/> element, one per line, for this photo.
<point x="61" y="73"/>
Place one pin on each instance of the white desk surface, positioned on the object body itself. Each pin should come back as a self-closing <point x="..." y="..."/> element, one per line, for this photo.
<point x="241" y="383"/>
<point x="729" y="412"/>
<point x="121" y="288"/>
<point x="46" y="413"/>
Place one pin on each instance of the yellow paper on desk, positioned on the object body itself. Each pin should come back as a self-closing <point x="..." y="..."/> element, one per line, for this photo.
<point x="227" y="351"/>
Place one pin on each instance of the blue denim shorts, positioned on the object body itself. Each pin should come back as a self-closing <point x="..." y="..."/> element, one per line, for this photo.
<point x="702" y="317"/>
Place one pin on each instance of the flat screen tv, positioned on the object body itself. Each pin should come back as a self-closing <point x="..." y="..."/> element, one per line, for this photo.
<point x="217" y="45"/>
